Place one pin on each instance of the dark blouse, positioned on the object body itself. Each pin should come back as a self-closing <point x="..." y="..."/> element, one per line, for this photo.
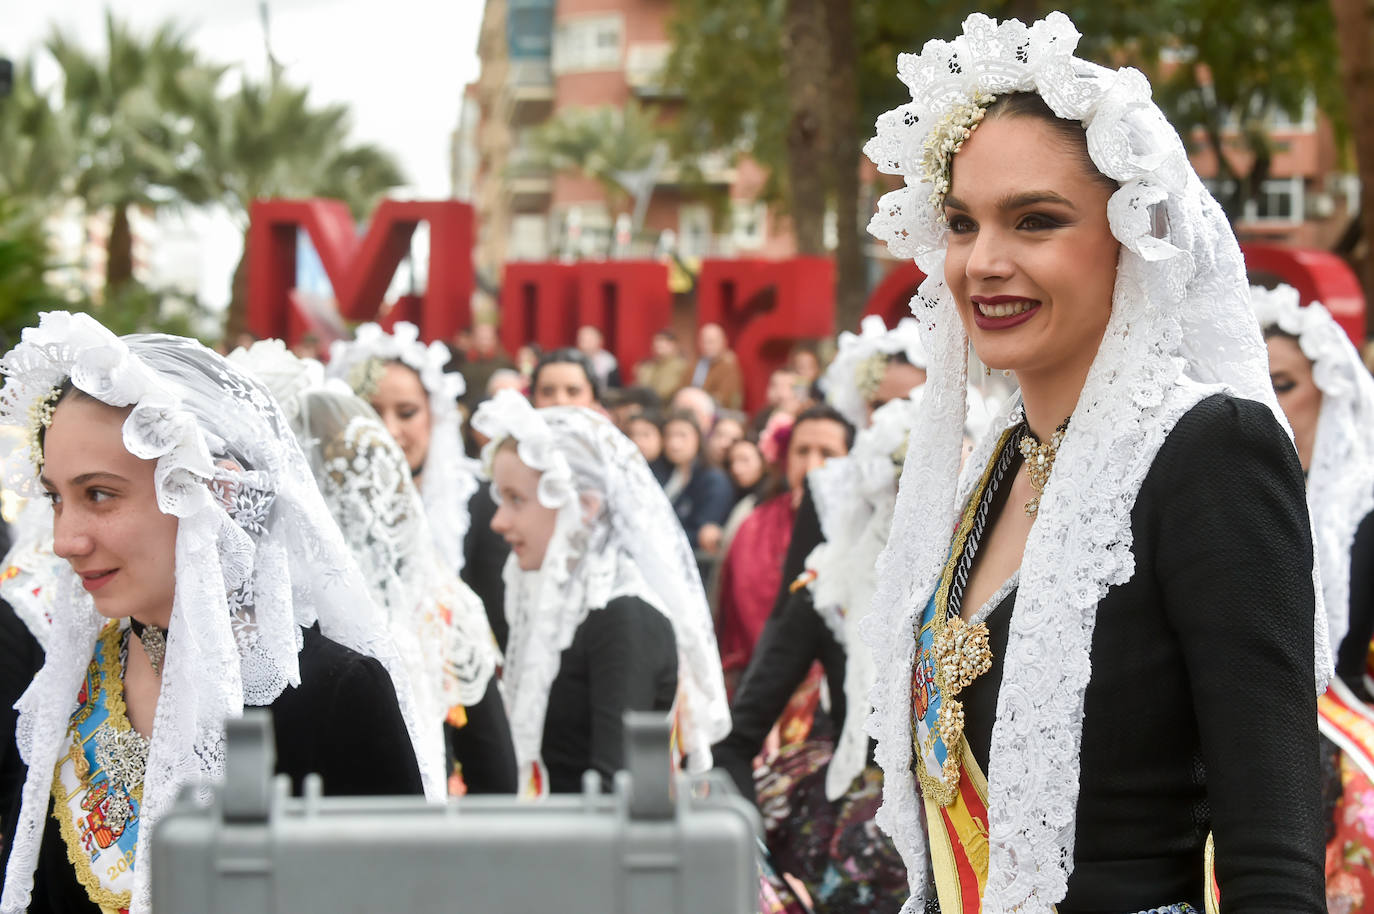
<point x="791" y="641"/>
<point x="622" y="658"/>
<point x="706" y="499"/>
<point x="484" y="561"/>
<point x="1353" y="653"/>
<point x="1201" y="711"/>
<point x="482" y="746"/>
<point x="343" y="722"/>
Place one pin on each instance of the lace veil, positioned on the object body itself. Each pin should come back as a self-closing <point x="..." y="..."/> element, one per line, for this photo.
<point x="450" y="478"/>
<point x="860" y="361"/>
<point x="438" y="623"/>
<point x="257" y="559"/>
<point x="616" y="535"/>
<point x="1340" y="481"/>
<point x="1180" y="329"/>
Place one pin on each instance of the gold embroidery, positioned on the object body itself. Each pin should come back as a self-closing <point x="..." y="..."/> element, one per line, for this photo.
<point x="112" y="684"/>
<point x="944" y="789"/>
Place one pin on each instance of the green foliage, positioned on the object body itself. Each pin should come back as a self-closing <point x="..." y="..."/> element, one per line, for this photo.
<point x="39" y="148"/>
<point x="1259" y="56"/>
<point x="602" y="143"/>
<point x="24" y="265"/>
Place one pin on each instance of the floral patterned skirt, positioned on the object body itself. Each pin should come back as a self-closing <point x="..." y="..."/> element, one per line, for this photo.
<point x="833" y="848"/>
<point x="1350" y="850"/>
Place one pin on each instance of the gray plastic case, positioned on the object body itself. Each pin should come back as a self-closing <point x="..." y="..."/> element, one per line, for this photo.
<point x="651" y="847"/>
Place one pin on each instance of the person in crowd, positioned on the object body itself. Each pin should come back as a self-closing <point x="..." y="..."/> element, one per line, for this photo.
<point x="729" y="427"/>
<point x="458" y="345"/>
<point x="699" y="493"/>
<point x="606" y="609"/>
<point x="646" y="431"/>
<point x="505" y="379"/>
<point x="662" y="371"/>
<point x="438" y="623"/>
<point x="564" y="377"/>
<point x="624" y="403"/>
<point x="717" y="370"/>
<point x="204" y="574"/>
<point x="1328" y="396"/>
<point x="405" y="382"/>
<point x="751" y="573"/>
<point x="699" y="403"/>
<point x="592" y="344"/>
<point x="1127" y="562"/>
<point x="484" y="357"/>
<point x="805" y="363"/>
<point x="819" y="794"/>
<point x="750" y="476"/>
<point x="526" y="357"/>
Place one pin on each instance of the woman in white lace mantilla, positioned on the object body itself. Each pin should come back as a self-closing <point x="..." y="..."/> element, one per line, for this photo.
<point x="405" y="382"/>
<point x="1101" y="694"/>
<point x="605" y="604"/>
<point x="438" y="623"/>
<point x="205" y="575"/>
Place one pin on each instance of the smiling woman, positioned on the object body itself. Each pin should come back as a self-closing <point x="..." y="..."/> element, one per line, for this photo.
<point x="204" y="574"/>
<point x="1130" y="566"/>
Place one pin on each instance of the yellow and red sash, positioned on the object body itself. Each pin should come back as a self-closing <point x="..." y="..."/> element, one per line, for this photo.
<point x="1344" y="719"/>
<point x="100" y="844"/>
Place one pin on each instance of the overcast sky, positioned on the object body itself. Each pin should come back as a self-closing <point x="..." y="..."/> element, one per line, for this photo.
<point x="400" y="64"/>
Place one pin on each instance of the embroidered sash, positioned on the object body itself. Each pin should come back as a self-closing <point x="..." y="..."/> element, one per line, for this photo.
<point x="98" y="813"/>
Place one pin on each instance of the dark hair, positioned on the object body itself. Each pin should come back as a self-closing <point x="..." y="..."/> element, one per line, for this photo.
<point x="689" y="417"/>
<point x="828" y="412"/>
<point x="646" y="398"/>
<point x="1072" y="133"/>
<point x="667" y="334"/>
<point x="651" y="416"/>
<point x="566" y="356"/>
<point x="66" y="390"/>
<point x="1275" y="331"/>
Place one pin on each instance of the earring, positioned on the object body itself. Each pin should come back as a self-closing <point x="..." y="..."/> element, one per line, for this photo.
<point x="987" y="372"/>
<point x="1006" y="372"/>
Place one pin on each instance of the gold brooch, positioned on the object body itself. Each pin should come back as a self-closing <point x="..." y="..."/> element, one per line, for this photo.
<point x="963" y="652"/>
<point x="1040" y="461"/>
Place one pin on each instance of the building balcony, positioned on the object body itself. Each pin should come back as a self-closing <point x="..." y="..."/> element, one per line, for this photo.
<point x="530" y="87"/>
<point x="714" y="169"/>
<point x="529" y="180"/>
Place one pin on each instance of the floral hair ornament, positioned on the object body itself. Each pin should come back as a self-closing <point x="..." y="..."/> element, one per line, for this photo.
<point x="853" y="376"/>
<point x="946" y="138"/>
<point x="40" y="417"/>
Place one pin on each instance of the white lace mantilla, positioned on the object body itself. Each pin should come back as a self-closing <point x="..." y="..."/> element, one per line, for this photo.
<point x="450" y="478"/>
<point x="616" y="535"/>
<point x="857" y="353"/>
<point x="1181" y="328"/>
<point x="257" y="560"/>
<point x="1340" y="481"/>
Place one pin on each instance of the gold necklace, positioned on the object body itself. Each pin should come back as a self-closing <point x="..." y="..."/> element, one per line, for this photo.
<point x="1040" y="461"/>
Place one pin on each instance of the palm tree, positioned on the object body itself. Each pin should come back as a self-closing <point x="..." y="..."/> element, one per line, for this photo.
<point x="267" y="140"/>
<point x="605" y="144"/>
<point x="130" y="112"/>
<point x="39" y="151"/>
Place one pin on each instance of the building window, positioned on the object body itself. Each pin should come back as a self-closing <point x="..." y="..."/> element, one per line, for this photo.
<point x="694" y="230"/>
<point x="749" y="224"/>
<point x="1278" y="201"/>
<point x="529" y="237"/>
<point x="588" y="43"/>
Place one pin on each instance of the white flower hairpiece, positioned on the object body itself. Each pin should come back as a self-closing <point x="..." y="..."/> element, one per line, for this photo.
<point x="946" y="138"/>
<point x="357" y="361"/>
<point x="508" y="415"/>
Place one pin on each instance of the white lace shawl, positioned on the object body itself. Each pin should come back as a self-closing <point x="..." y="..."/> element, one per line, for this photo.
<point x="631" y="545"/>
<point x="438" y="623"/>
<point x="1180" y="329"/>
<point x="257" y="560"/>
<point x="841" y="381"/>
<point x="29" y="582"/>
<point x="854" y="497"/>
<point x="450" y="477"/>
<point x="1340" y="480"/>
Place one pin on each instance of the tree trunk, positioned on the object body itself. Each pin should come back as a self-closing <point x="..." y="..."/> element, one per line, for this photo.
<point x="1355" y="32"/>
<point x="119" y="252"/>
<point x="807" y="71"/>
<point x="845" y="144"/>
<point x="236" y="315"/>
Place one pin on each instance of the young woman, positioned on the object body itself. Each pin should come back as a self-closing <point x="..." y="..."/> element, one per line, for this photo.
<point x="564" y="377"/>
<point x="700" y="494"/>
<point x="646" y="431"/>
<point x="1328" y="397"/>
<point x="605" y="605"/>
<point x="205" y="574"/>
<point x="437" y="622"/>
<point x="405" y="382"/>
<point x="1112" y="666"/>
<point x="751" y="574"/>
